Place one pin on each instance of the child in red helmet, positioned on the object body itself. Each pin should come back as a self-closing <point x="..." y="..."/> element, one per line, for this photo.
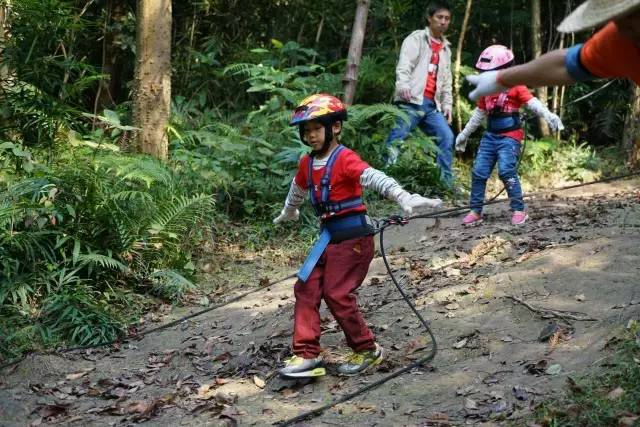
<point x="334" y="176"/>
<point x="501" y="142"/>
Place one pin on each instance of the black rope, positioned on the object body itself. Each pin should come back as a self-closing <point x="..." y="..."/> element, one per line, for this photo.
<point x="434" y="214"/>
<point x="398" y="220"/>
<point x="385" y="223"/>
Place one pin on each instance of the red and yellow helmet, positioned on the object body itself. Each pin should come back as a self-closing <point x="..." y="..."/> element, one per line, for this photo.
<point x="321" y="106"/>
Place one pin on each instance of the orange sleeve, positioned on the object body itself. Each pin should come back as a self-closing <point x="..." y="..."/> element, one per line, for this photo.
<point x="609" y="54"/>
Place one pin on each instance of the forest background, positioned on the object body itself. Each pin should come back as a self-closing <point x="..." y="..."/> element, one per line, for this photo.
<point x="95" y="233"/>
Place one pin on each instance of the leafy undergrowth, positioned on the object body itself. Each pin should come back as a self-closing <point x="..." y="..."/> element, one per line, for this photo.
<point x="609" y="398"/>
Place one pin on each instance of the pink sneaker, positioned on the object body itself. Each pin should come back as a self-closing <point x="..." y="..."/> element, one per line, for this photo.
<point x="519" y="217"/>
<point x="472" y="218"/>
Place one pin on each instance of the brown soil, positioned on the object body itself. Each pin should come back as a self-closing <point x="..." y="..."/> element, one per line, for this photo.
<point x="575" y="260"/>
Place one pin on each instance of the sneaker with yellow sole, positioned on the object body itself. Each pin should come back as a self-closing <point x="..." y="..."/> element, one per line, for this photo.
<point x="299" y="367"/>
<point x="359" y="361"/>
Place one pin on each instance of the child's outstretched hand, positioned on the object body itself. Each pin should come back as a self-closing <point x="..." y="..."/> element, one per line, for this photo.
<point x="287" y="214"/>
<point x="461" y="142"/>
<point x="554" y="121"/>
<point x="408" y="202"/>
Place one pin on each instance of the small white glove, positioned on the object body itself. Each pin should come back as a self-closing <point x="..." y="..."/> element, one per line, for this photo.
<point x="461" y="142"/>
<point x="408" y="202"/>
<point x="555" y="123"/>
<point x="287" y="214"/>
<point x="485" y="83"/>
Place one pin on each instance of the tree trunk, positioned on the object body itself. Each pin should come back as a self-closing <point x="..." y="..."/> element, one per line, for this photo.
<point x="4" y="31"/>
<point x="152" y="93"/>
<point x="317" y="39"/>
<point x="536" y="43"/>
<point x="109" y="88"/>
<point x="355" y="51"/>
<point x="631" y="137"/>
<point x="456" y="69"/>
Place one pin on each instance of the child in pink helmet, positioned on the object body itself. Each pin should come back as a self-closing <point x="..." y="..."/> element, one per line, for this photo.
<point x="613" y="51"/>
<point x="501" y="141"/>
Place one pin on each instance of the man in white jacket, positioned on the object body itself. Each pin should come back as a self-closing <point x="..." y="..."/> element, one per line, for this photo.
<point x="423" y="88"/>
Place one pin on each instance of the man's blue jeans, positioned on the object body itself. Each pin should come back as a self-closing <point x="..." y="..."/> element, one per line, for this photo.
<point x="504" y="150"/>
<point x="432" y="123"/>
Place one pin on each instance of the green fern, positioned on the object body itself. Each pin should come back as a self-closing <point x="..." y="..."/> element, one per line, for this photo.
<point x="104" y="261"/>
<point x="180" y="215"/>
<point x="170" y="284"/>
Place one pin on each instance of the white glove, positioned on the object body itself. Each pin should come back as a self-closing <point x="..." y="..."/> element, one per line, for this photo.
<point x="555" y="123"/>
<point x="287" y="214"/>
<point x="485" y="83"/>
<point x="541" y="110"/>
<point x="461" y="142"/>
<point x="408" y="202"/>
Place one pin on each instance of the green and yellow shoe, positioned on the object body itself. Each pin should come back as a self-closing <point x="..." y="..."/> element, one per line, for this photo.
<point x="298" y="367"/>
<point x="358" y="362"/>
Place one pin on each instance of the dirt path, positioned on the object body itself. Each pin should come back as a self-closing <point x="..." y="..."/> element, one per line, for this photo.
<point x="576" y="259"/>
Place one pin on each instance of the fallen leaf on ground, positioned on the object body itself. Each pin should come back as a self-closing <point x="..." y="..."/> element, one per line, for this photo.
<point x="363" y="407"/>
<point x="227" y="398"/>
<point x="289" y="393"/>
<point x="229" y="414"/>
<point x="259" y="382"/>
<point x="627" y="421"/>
<point x="47" y="411"/>
<point x="616" y="393"/>
<point x="460" y="343"/>
<point x="537" y="368"/>
<point x="141" y="407"/>
<point x="79" y="374"/>
<point x="554" y="369"/>
<point x="470" y="404"/>
<point x="451" y="272"/>
<point x="465" y="391"/>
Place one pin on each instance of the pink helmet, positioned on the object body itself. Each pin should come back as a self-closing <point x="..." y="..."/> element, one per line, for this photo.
<point x="493" y="57"/>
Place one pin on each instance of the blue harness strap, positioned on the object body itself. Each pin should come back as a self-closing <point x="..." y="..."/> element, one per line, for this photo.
<point x="501" y="118"/>
<point x="324" y="205"/>
<point x="314" y="255"/>
<point x="334" y="229"/>
<point x="503" y="122"/>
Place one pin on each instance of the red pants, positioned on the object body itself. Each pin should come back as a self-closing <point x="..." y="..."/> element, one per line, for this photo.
<point x="338" y="273"/>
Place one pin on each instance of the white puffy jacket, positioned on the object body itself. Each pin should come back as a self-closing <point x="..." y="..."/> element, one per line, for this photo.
<point x="413" y="65"/>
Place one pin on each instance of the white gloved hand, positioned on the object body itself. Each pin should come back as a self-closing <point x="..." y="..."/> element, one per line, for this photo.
<point x="287" y="214"/>
<point x="408" y="202"/>
<point x="461" y="142"/>
<point x="485" y="83"/>
<point x="555" y="123"/>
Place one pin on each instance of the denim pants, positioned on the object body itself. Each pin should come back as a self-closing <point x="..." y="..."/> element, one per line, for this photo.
<point x="504" y="150"/>
<point x="432" y="123"/>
